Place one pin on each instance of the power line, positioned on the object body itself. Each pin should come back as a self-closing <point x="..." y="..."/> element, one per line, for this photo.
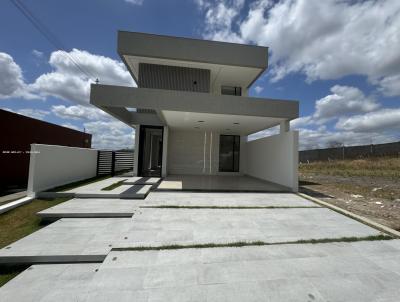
<point x="49" y="35"/>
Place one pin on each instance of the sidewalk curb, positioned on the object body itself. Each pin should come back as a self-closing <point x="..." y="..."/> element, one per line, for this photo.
<point x="15" y="204"/>
<point x="359" y="218"/>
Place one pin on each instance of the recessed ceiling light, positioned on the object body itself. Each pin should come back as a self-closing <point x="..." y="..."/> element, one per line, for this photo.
<point x="200" y="121"/>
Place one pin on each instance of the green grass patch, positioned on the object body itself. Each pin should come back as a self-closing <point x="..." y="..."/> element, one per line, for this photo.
<point x="79" y="183"/>
<point x="18" y="223"/>
<point x="255" y="243"/>
<point x="114" y="185"/>
<point x="9" y="272"/>
<point x="23" y="221"/>
<point x="229" y="207"/>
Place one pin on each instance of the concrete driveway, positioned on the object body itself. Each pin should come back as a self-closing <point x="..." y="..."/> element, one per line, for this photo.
<point x="282" y="270"/>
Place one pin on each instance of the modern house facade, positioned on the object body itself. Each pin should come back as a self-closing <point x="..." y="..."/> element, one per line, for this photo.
<point x="192" y="112"/>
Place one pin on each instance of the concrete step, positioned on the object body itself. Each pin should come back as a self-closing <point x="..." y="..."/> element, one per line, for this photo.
<point x="137" y="180"/>
<point x="88" y="208"/>
<point x="123" y="192"/>
<point x="68" y="240"/>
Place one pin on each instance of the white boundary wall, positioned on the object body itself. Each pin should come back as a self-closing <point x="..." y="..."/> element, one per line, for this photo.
<point x="274" y="158"/>
<point x="52" y="165"/>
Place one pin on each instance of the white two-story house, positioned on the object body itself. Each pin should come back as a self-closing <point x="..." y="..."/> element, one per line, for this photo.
<point x="192" y="112"/>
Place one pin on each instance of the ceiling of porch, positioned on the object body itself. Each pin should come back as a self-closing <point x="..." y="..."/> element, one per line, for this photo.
<point x="221" y="123"/>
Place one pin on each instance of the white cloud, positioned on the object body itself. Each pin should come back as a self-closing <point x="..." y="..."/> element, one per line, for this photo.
<point x="11" y="80"/>
<point x="301" y="122"/>
<point x="67" y="82"/>
<point x="323" y="138"/>
<point x="264" y="133"/>
<point x="33" y="113"/>
<point x="71" y="126"/>
<point x="79" y="112"/>
<point x="389" y="86"/>
<point x="344" y="100"/>
<point x="135" y="2"/>
<point x="110" y="134"/>
<point x="258" y="89"/>
<point x="321" y="39"/>
<point x="37" y="53"/>
<point x="381" y="120"/>
<point x="220" y="17"/>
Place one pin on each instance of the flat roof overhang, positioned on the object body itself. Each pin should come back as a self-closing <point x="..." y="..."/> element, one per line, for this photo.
<point x="184" y="110"/>
<point x="229" y="63"/>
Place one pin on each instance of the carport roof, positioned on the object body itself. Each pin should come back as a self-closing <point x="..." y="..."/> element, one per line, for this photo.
<point x="182" y="109"/>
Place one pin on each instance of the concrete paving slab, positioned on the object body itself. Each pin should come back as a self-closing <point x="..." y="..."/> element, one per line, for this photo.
<point x="137" y="180"/>
<point x="48" y="283"/>
<point x="68" y="240"/>
<point x="212" y="199"/>
<point x="157" y="227"/>
<point x="280" y="273"/>
<point x="96" y="186"/>
<point x="94" y="207"/>
<point x="123" y="191"/>
<point x="272" y="273"/>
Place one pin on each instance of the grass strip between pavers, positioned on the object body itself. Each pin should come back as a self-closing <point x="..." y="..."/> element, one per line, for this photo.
<point x="114" y="185"/>
<point x="231" y="207"/>
<point x="254" y="243"/>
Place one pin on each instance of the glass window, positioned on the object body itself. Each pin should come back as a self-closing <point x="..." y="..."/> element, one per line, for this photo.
<point x="229" y="153"/>
<point x="230" y="90"/>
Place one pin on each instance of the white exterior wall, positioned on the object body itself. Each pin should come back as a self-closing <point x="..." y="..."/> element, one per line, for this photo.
<point x="52" y="166"/>
<point x="196" y="153"/>
<point x="275" y="159"/>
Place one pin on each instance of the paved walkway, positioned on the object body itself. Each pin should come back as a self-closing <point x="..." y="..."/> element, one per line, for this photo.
<point x="227" y="199"/>
<point x="132" y="188"/>
<point x="352" y="271"/>
<point x="157" y="227"/>
<point x="360" y="271"/>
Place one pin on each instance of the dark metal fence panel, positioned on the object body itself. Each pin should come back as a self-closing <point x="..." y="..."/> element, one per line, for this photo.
<point x="351" y="152"/>
<point x="123" y="160"/>
<point x="110" y="162"/>
<point x="104" y="162"/>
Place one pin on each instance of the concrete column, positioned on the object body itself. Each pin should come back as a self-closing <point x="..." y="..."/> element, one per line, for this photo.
<point x="165" y="153"/>
<point x="136" y="154"/>
<point x="284" y="126"/>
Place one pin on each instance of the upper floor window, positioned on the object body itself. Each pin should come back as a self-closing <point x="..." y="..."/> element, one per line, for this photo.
<point x="231" y="90"/>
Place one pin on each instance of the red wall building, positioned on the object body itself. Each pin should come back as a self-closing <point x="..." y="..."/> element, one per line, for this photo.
<point x="18" y="132"/>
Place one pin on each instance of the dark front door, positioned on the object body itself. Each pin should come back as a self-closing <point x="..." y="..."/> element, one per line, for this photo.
<point x="150" y="151"/>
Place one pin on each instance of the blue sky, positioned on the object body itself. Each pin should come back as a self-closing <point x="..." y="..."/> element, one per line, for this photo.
<point x="339" y="59"/>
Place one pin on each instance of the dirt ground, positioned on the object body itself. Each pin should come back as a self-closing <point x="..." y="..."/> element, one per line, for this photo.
<point x="374" y="197"/>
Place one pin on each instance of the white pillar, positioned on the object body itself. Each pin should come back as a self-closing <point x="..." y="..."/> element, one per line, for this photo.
<point x="136" y="154"/>
<point x="284" y="126"/>
<point x="164" y="153"/>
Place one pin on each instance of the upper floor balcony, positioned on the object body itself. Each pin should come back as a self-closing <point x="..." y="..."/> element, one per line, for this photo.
<point x="175" y="63"/>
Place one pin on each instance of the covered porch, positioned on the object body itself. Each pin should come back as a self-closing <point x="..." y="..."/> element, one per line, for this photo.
<point x="218" y="183"/>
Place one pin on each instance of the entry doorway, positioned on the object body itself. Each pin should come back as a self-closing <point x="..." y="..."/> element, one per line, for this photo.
<point x="150" y="151"/>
